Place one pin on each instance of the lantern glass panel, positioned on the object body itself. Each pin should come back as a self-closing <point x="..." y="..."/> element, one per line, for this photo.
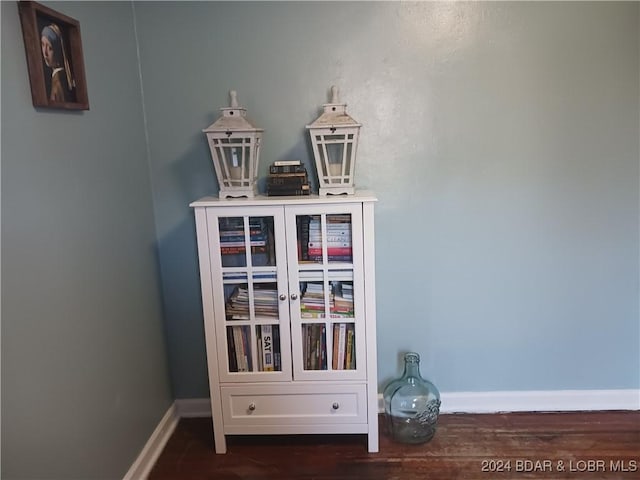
<point x="235" y="160"/>
<point x="335" y="152"/>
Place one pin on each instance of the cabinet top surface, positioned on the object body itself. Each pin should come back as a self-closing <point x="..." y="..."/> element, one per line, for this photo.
<point x="359" y="196"/>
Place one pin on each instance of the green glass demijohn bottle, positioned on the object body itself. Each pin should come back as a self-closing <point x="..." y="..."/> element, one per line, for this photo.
<point x="412" y="404"/>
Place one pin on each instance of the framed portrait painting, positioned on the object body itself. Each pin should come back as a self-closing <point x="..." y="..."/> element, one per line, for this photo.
<point x="54" y="58"/>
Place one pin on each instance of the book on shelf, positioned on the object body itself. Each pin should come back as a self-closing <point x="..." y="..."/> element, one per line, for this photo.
<point x="231" y="351"/>
<point x="232" y="240"/>
<point x="331" y="244"/>
<point x="302" y="224"/>
<point x="314" y="346"/>
<point x="331" y="251"/>
<point x="344" y="341"/>
<point x="240" y="348"/>
<point x="259" y="362"/>
<point x="266" y="338"/>
<point x="349" y="348"/>
<point x="242" y="243"/>
<point x="277" y="366"/>
<point x="321" y="314"/>
<point x="331" y="258"/>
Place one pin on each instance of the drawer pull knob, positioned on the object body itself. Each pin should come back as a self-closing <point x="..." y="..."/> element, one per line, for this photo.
<point x="283" y="297"/>
<point x="294" y="296"/>
<point x="252" y="407"/>
<point x="335" y="405"/>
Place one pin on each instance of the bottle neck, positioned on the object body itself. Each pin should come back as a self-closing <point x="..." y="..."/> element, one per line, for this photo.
<point x="411" y="369"/>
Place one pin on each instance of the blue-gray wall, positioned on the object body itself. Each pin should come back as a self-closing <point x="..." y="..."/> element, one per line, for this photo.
<point x="84" y="367"/>
<point x="501" y="139"/>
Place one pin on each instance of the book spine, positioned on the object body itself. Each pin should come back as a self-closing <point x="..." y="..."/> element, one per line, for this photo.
<point x="288" y="192"/>
<point x="285" y="163"/>
<point x="231" y="351"/>
<point x="276" y="348"/>
<point x="267" y="348"/>
<point x="304" y="236"/>
<point x="260" y="349"/>
<point x="247" y="348"/>
<point x="331" y="245"/>
<point x="336" y="336"/>
<point x="242" y="243"/>
<point x="338" y="251"/>
<point x="349" y="347"/>
<point x="275" y="169"/>
<point x="313" y="354"/>
<point x="342" y="345"/>
<point x="240" y="358"/>
<point x="323" y="347"/>
<point x="225" y="239"/>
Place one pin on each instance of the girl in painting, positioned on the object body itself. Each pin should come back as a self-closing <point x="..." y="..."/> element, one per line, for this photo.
<point x="55" y="57"/>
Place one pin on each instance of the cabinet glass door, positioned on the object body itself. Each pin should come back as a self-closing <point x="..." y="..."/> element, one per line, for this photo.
<point x="327" y="313"/>
<point x="252" y="293"/>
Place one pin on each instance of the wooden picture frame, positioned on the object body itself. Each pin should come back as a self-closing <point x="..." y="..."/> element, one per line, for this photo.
<point x="54" y="58"/>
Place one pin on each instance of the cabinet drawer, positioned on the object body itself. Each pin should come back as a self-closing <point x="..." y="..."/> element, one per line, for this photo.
<point x="294" y="404"/>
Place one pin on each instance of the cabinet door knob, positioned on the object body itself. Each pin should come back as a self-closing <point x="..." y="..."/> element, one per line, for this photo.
<point x="283" y="297"/>
<point x="252" y="407"/>
<point x="294" y="296"/>
<point x="335" y="405"/>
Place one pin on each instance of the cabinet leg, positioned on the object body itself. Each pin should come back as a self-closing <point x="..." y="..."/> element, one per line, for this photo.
<point x="220" y="443"/>
<point x="373" y="444"/>
<point x="372" y="437"/>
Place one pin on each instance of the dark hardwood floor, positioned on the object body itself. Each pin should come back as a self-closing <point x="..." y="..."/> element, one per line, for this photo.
<point x="583" y="445"/>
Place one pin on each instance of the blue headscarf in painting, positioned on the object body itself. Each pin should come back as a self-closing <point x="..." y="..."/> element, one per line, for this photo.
<point x="53" y="34"/>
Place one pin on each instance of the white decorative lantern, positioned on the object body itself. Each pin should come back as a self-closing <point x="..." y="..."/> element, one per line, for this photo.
<point x="334" y="136"/>
<point x="235" y="149"/>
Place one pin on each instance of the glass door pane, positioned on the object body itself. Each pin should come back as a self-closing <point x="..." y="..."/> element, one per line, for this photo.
<point x="236" y="234"/>
<point x="252" y="287"/>
<point x="324" y="238"/>
<point x="252" y="304"/>
<point x="327" y="318"/>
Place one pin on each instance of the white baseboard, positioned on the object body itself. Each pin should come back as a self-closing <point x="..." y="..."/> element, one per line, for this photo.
<point x="540" y="401"/>
<point x="493" y="402"/>
<point x="153" y="448"/>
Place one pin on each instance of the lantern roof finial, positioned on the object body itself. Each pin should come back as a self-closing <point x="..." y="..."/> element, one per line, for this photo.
<point x="334" y="94"/>
<point x="334" y="114"/>
<point x="233" y="118"/>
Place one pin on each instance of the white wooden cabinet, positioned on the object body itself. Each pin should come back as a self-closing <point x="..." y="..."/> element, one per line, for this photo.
<point x="288" y="293"/>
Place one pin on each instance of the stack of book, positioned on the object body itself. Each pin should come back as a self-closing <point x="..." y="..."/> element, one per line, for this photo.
<point x="233" y="242"/>
<point x="312" y="300"/>
<point x="265" y="302"/>
<point x="340" y="300"/>
<point x="288" y="177"/>
<point x="338" y="239"/>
